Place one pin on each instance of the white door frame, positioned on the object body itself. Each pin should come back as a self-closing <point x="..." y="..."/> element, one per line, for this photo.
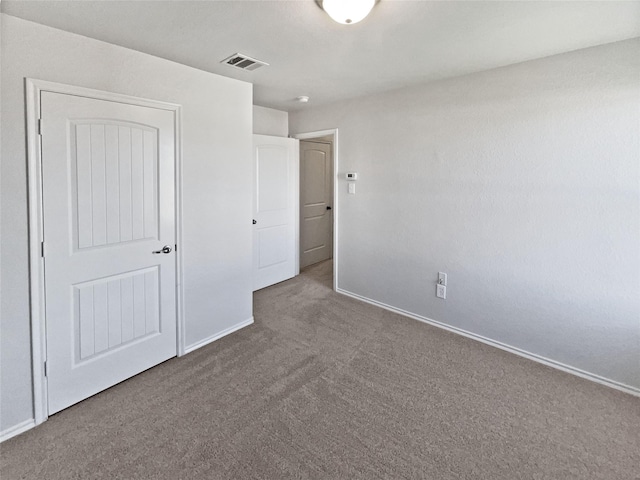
<point x="323" y="133"/>
<point x="34" y="89"/>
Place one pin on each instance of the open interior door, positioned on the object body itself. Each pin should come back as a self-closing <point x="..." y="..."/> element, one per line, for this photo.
<point x="275" y="210"/>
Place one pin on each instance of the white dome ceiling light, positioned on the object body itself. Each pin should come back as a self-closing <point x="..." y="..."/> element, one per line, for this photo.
<point x="348" y="12"/>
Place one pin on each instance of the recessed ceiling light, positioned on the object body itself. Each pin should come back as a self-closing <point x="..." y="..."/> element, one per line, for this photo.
<point x="302" y="99"/>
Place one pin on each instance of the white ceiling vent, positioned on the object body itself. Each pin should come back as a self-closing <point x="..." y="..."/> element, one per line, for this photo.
<point x="243" y="62"/>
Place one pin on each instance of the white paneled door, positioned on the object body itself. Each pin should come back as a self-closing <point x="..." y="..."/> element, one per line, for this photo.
<point x="275" y="210"/>
<point x="316" y="196"/>
<point x="108" y="173"/>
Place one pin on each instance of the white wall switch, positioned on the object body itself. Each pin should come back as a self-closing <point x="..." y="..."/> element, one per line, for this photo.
<point x="441" y="291"/>
<point x="352" y="188"/>
<point x="442" y="279"/>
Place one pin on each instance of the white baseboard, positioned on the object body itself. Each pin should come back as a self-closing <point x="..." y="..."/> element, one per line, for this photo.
<point x="29" y="424"/>
<point x="17" y="429"/>
<point x="503" y="346"/>
<point x="218" y="336"/>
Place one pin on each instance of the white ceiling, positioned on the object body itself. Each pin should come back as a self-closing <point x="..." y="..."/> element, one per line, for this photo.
<point x="401" y="43"/>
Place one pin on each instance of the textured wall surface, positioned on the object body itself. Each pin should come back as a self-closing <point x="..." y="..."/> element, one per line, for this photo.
<point x="216" y="168"/>
<point x="268" y="121"/>
<point x="521" y="183"/>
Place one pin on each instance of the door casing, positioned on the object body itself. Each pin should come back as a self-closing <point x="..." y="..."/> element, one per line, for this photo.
<point x="336" y="213"/>
<point x="34" y="88"/>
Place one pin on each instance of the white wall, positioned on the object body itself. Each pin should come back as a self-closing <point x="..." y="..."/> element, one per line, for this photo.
<point x="217" y="135"/>
<point x="521" y="183"/>
<point x="268" y="121"/>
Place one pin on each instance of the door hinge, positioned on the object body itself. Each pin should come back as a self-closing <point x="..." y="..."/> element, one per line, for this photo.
<point x="42" y="249"/>
<point x="46" y="369"/>
<point x="39" y="126"/>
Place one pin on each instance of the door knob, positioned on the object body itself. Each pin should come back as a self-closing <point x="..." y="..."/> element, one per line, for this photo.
<point x="255" y="221"/>
<point x="165" y="249"/>
<point x="328" y="207"/>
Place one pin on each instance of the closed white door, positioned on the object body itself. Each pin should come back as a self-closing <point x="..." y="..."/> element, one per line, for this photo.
<point x="316" y="209"/>
<point x="275" y="210"/>
<point x="108" y="174"/>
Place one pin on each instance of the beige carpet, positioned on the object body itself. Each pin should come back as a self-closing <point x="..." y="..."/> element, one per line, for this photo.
<point x="325" y="387"/>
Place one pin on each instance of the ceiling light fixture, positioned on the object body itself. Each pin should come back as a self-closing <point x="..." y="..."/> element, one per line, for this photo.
<point x="348" y="12"/>
<point x="302" y="99"/>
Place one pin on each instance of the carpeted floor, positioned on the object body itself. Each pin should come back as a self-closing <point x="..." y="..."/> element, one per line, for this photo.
<point x="326" y="387"/>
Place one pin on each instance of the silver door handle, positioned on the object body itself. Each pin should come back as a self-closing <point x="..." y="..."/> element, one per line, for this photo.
<point x="165" y="249"/>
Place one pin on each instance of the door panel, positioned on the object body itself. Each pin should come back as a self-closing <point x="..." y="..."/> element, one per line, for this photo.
<point x="113" y="189"/>
<point x="275" y="210"/>
<point x="115" y="310"/>
<point x="273" y="246"/>
<point x="316" y="195"/>
<point x="108" y="200"/>
<point x="273" y="178"/>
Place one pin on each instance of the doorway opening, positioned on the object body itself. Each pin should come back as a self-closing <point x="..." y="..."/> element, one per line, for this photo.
<point x="318" y="199"/>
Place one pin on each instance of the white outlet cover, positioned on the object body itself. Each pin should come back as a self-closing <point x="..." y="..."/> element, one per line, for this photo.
<point x="441" y="291"/>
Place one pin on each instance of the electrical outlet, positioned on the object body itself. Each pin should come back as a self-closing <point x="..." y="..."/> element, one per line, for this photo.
<point x="441" y="291"/>
<point x="442" y="278"/>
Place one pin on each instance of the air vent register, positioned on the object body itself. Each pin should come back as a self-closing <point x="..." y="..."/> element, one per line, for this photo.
<point x="243" y="62"/>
